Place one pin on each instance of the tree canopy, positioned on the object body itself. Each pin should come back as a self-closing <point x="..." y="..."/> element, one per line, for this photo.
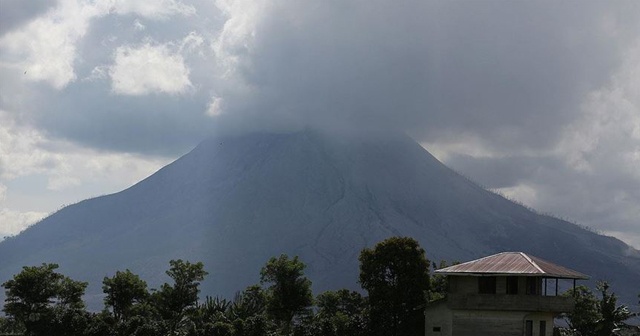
<point x="289" y="292"/>
<point x="123" y="291"/>
<point x="395" y="273"/>
<point x="593" y="316"/>
<point x="45" y="302"/>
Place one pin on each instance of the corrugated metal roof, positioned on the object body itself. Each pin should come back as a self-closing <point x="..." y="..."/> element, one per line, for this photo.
<point x="512" y="263"/>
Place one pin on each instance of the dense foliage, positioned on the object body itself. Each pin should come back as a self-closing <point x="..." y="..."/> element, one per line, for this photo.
<point x="394" y="273"/>
<point x="289" y="294"/>
<point x="41" y="301"/>
<point x="593" y="316"/>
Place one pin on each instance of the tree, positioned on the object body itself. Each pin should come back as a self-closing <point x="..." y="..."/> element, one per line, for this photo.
<point x="9" y="326"/>
<point x="438" y="284"/>
<point x="123" y="291"/>
<point x="595" y="317"/>
<point x="341" y="313"/>
<point x="585" y="314"/>
<point x="174" y="302"/>
<point x="45" y="302"/>
<point x="289" y="293"/>
<point x="395" y="273"/>
<point x="213" y="317"/>
<point x="249" y="312"/>
<point x="611" y="315"/>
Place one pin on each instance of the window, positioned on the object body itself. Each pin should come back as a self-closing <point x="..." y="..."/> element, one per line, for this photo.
<point x="532" y="286"/>
<point x="512" y="285"/>
<point x="528" y="328"/>
<point x="487" y="285"/>
<point x="436" y="329"/>
<point x="543" y="328"/>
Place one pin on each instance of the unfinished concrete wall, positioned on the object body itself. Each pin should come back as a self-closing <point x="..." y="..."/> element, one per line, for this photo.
<point x="496" y="323"/>
<point x="438" y="320"/>
<point x="463" y="285"/>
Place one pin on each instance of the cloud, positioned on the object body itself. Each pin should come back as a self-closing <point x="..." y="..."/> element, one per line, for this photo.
<point x="14" y="222"/>
<point x="25" y="151"/>
<point x="46" y="47"/>
<point x="591" y="175"/>
<point x="430" y="68"/>
<point x="536" y="100"/>
<point x="3" y="192"/>
<point x="38" y="174"/>
<point x="215" y="107"/>
<point x="20" y="154"/>
<point x="138" y="25"/>
<point x="157" y="9"/>
<point x="147" y="69"/>
<point x="16" y="12"/>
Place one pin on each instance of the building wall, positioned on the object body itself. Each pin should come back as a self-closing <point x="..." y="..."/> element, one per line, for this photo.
<point x="505" y="302"/>
<point x="467" y="313"/>
<point x="463" y="284"/>
<point x="498" y="323"/>
<point x="441" y="321"/>
<point x="438" y="320"/>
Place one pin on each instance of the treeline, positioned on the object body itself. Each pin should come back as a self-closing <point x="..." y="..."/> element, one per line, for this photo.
<point x="394" y="274"/>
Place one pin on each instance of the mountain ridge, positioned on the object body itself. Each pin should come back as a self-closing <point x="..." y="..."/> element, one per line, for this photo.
<point x="234" y="202"/>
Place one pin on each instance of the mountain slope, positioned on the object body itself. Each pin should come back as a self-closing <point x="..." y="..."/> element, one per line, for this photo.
<point x="233" y="203"/>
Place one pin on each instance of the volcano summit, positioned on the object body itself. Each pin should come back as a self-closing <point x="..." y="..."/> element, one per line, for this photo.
<point x="235" y="202"/>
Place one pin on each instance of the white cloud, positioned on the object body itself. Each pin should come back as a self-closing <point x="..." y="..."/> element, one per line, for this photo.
<point x="215" y="107"/>
<point x="62" y="180"/>
<point x="191" y="42"/>
<point x="13" y="222"/>
<point x="25" y="152"/>
<point x="137" y="25"/>
<point x="238" y="33"/>
<point x="99" y="72"/>
<point x="149" y="68"/>
<point x="20" y="150"/>
<point x="3" y="192"/>
<point x="46" y="47"/>
<point x="156" y="9"/>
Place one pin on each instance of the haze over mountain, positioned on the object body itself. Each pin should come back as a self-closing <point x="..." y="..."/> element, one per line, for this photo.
<point x="234" y="202"/>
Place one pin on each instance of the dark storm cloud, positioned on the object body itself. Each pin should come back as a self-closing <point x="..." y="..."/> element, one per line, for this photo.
<point x="512" y="73"/>
<point x="502" y="172"/>
<point x="164" y="125"/>
<point x="14" y="13"/>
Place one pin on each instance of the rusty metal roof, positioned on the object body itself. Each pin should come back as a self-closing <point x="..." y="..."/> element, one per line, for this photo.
<point x="512" y="263"/>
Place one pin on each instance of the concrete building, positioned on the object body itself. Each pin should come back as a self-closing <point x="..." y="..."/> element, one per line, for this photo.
<point x="506" y="294"/>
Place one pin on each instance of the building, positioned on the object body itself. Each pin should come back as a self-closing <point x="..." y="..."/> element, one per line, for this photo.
<point x="509" y="293"/>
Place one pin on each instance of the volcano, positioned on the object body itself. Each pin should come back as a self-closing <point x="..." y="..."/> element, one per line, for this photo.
<point x="234" y="202"/>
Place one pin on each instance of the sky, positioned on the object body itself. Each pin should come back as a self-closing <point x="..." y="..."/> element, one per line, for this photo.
<point x="538" y="101"/>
